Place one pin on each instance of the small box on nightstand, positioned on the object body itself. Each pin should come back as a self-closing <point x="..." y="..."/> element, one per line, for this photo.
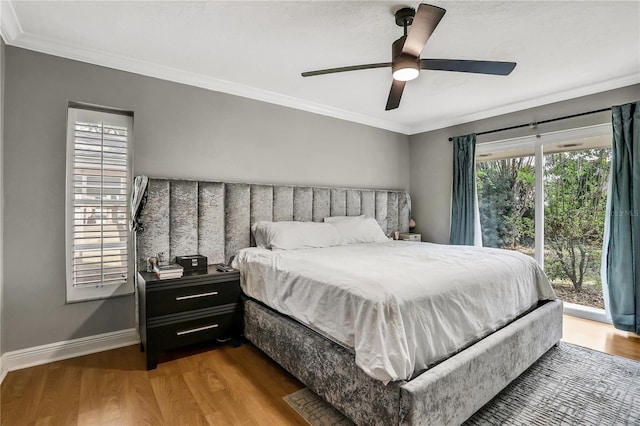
<point x="193" y="263"/>
<point x="410" y="237"/>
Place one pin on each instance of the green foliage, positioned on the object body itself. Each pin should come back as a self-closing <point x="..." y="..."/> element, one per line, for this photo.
<point x="575" y="195"/>
<point x="506" y="202"/>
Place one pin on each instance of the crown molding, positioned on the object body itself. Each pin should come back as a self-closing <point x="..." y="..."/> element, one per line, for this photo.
<point x="591" y="89"/>
<point x="17" y="37"/>
<point x="10" y="28"/>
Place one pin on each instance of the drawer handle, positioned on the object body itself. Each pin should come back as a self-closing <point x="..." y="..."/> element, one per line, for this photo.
<point x="195" y="330"/>
<point x="195" y="296"/>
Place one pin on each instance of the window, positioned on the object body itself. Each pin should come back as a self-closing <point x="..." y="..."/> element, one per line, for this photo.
<point x="545" y="196"/>
<point x="99" y="244"/>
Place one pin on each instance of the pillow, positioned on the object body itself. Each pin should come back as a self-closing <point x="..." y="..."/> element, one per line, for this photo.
<point x="334" y="219"/>
<point x="295" y="235"/>
<point x="355" y="229"/>
<point x="258" y="231"/>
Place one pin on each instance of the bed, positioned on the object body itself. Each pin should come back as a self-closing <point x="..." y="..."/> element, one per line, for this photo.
<point x="215" y="219"/>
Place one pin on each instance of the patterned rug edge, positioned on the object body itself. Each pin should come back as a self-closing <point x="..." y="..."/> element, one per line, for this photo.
<point x="314" y="410"/>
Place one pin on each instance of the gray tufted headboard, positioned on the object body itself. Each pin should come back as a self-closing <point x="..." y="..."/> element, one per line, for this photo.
<point x="183" y="217"/>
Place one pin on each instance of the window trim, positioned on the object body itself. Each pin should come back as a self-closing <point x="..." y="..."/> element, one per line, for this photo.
<point x="79" y="294"/>
<point x="542" y="139"/>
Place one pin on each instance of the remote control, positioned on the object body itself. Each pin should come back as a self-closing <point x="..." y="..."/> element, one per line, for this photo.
<point x="224" y="268"/>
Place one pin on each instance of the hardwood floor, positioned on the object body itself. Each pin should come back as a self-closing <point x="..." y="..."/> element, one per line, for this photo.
<point x="601" y="337"/>
<point x="215" y="385"/>
<point x="209" y="385"/>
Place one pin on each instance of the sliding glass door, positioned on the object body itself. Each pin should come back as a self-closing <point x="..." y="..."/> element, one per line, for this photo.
<point x="545" y="196"/>
<point x="575" y="188"/>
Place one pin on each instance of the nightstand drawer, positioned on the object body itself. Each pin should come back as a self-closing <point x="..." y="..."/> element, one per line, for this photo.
<point x="182" y="298"/>
<point x="170" y="335"/>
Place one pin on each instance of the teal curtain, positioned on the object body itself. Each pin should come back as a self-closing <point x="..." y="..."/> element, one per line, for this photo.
<point x="622" y="238"/>
<point x="463" y="196"/>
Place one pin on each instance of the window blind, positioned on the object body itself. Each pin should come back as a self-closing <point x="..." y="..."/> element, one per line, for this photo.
<point x="98" y="188"/>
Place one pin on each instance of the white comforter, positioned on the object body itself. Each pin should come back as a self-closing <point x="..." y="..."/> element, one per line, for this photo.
<point x="401" y="306"/>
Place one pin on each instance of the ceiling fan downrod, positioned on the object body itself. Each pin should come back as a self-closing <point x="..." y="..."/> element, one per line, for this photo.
<point x="404" y="18"/>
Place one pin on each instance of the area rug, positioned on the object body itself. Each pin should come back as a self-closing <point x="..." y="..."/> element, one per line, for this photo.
<point x="315" y="410"/>
<point x="569" y="385"/>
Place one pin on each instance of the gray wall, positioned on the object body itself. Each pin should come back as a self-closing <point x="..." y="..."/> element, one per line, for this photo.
<point x="431" y="152"/>
<point x="179" y="132"/>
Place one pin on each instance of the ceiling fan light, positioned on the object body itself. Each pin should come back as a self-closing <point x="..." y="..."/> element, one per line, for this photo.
<point x="405" y="74"/>
<point x="404" y="67"/>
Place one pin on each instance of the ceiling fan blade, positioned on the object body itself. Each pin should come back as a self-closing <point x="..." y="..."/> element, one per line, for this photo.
<point x="343" y="69"/>
<point x="395" y="94"/>
<point x="424" y="23"/>
<point x="461" y="65"/>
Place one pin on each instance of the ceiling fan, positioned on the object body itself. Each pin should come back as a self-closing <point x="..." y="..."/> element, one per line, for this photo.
<point x="405" y="53"/>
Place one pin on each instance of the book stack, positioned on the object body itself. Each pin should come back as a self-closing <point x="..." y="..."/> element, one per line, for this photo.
<point x="168" y="272"/>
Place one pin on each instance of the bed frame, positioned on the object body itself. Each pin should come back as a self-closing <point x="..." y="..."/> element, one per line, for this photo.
<point x="446" y="394"/>
<point x="214" y="219"/>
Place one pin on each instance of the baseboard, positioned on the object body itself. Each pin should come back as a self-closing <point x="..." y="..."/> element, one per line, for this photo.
<point x="3" y="370"/>
<point x="44" y="354"/>
<point x="586" y="312"/>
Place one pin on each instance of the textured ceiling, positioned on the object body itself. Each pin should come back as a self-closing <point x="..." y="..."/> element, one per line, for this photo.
<point x="258" y="50"/>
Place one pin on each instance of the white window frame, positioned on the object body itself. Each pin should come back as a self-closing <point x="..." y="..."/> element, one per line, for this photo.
<point x="100" y="291"/>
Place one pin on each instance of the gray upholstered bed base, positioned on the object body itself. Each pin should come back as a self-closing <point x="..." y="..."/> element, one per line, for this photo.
<point x="446" y="394"/>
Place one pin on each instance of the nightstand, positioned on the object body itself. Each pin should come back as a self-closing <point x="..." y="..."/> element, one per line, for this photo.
<point x="410" y="237"/>
<point x="195" y="308"/>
